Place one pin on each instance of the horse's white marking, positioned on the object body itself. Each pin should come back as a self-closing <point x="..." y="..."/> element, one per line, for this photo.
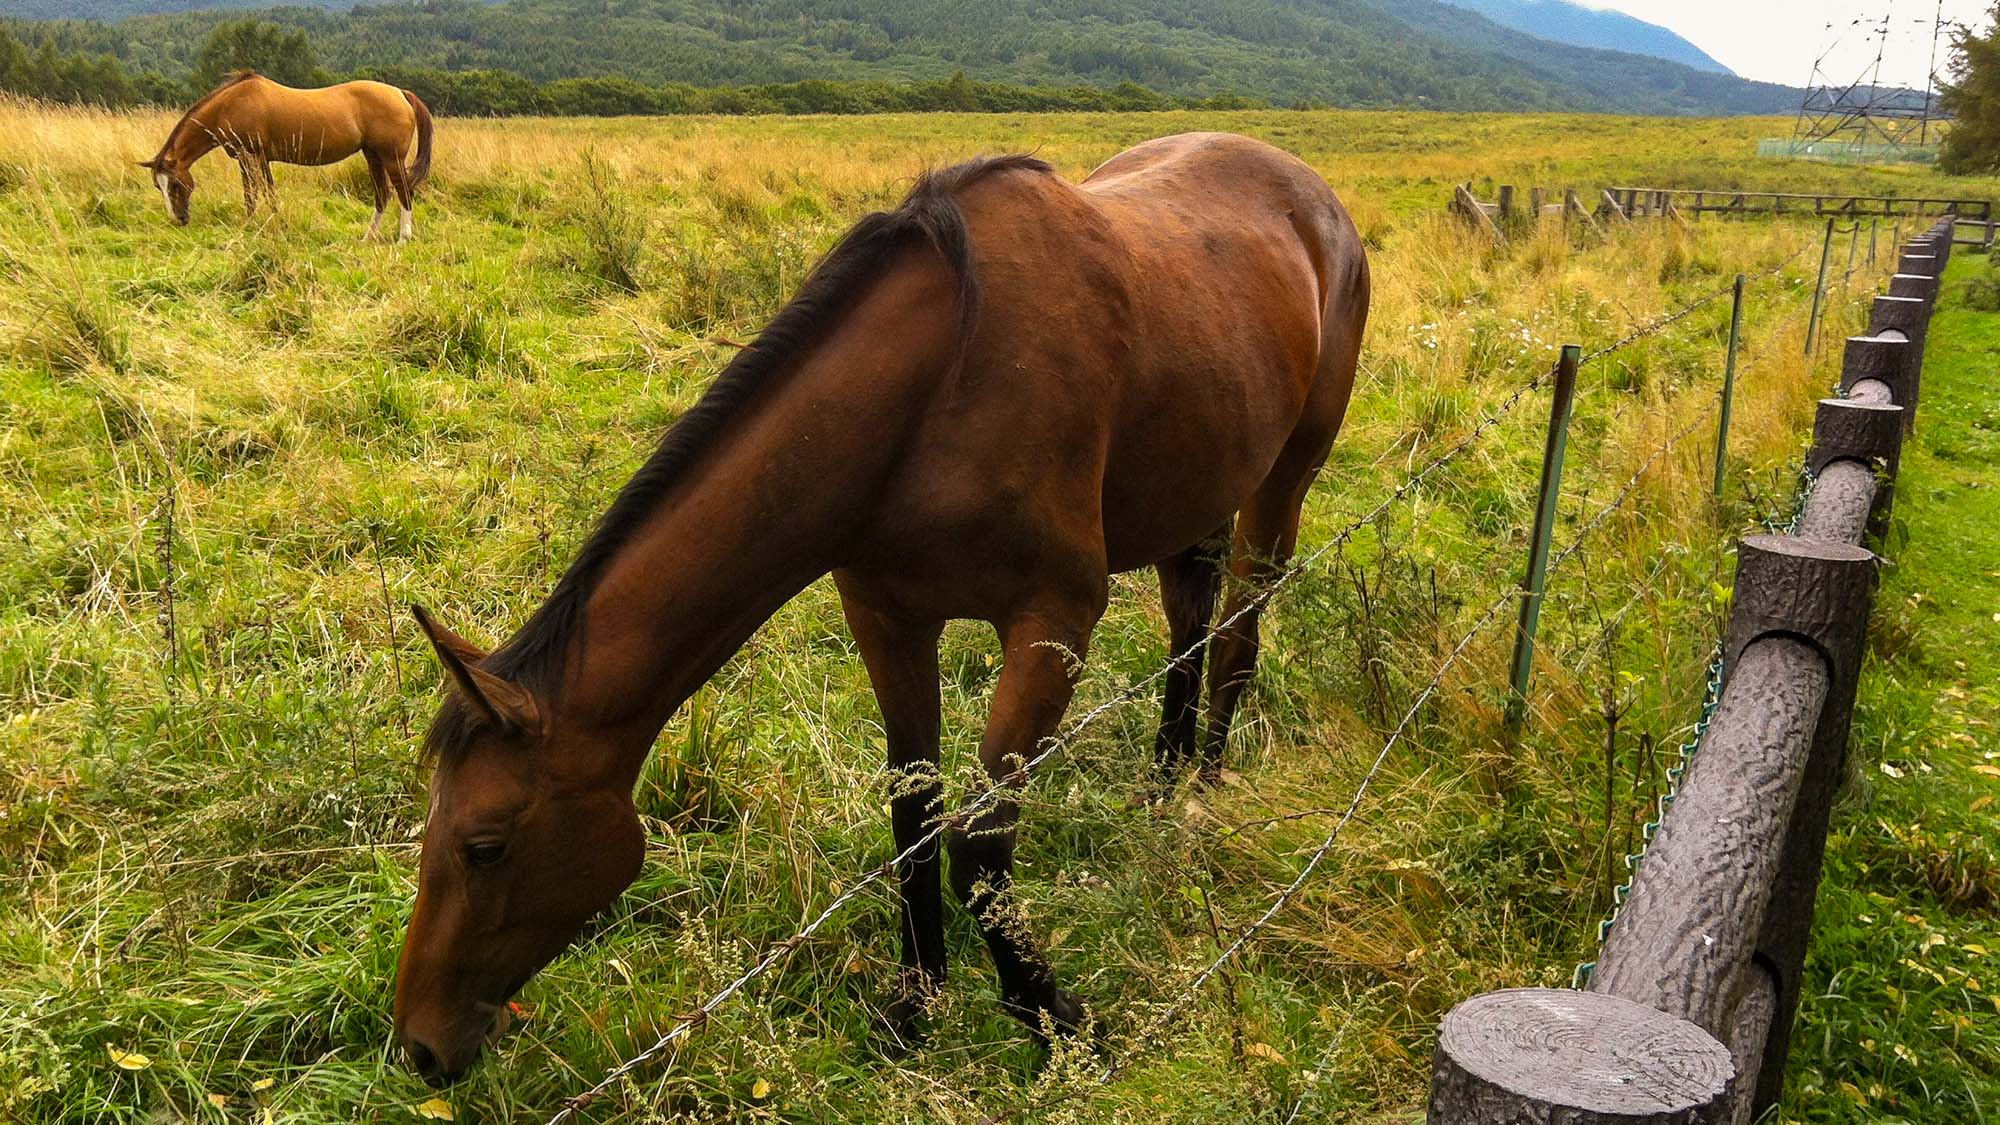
<point x="407" y="228"/>
<point x="373" y="227"/>
<point x="160" y="181"/>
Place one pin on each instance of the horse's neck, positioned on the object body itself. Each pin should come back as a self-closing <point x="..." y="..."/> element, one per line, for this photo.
<point x="777" y="501"/>
<point x="193" y="139"/>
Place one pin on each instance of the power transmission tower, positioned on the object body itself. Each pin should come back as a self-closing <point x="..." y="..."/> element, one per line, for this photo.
<point x="1861" y="118"/>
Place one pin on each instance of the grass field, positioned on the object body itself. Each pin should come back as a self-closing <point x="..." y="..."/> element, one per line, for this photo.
<point x="231" y="453"/>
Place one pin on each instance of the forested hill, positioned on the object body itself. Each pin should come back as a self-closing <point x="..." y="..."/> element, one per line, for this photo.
<point x="1419" y="53"/>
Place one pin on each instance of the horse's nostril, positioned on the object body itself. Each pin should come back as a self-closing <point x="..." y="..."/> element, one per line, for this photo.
<point x="423" y="1059"/>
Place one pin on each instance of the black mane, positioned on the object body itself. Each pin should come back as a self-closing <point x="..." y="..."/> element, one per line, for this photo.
<point x="534" y="656"/>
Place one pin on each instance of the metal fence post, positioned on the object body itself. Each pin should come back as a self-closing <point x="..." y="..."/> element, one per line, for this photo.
<point x="1873" y="226"/>
<point x="1728" y="387"/>
<point x="1536" y="578"/>
<point x="1819" y="290"/>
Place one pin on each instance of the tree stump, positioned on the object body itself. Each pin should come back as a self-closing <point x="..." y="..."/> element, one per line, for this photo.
<point x="1545" y="1056"/>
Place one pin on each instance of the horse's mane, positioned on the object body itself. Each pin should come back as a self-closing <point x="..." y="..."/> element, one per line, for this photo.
<point x="198" y="106"/>
<point x="534" y="656"/>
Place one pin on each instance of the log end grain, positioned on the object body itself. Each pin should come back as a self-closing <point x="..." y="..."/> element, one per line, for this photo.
<point x="1545" y="1055"/>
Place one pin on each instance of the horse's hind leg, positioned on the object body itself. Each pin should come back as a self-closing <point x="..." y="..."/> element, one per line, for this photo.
<point x="902" y="661"/>
<point x="380" y="175"/>
<point x="406" y="192"/>
<point x="1044" y="652"/>
<point x="1189" y="583"/>
<point x="1267" y="531"/>
<point x="251" y="183"/>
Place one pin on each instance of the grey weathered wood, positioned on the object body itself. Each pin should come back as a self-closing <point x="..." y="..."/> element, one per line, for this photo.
<point x="1839" y="503"/>
<point x="1469" y="208"/>
<point x="1543" y="1056"/>
<point x="1820" y="592"/>
<point x="1699" y="896"/>
<point x="1749" y="1030"/>
<point x="1872" y="391"/>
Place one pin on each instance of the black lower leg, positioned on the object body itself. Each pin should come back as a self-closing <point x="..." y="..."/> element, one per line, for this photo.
<point x="982" y="873"/>
<point x="913" y="811"/>
<point x="1189" y="583"/>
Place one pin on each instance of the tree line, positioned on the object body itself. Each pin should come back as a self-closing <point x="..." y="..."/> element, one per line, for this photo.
<point x="42" y="66"/>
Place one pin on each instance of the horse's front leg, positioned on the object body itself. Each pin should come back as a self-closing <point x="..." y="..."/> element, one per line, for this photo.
<point x="1044" y="649"/>
<point x="902" y="661"/>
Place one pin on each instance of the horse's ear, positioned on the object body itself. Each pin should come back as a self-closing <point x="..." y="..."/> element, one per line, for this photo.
<point x="507" y="704"/>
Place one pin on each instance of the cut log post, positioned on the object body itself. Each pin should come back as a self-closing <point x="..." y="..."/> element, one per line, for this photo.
<point x="1875" y="361"/>
<point x="1546" y="1056"/>
<point x="1864" y="435"/>
<point x="1911" y="318"/>
<point x="1509" y="217"/>
<point x="1821" y="592"/>
<point x="1917" y="285"/>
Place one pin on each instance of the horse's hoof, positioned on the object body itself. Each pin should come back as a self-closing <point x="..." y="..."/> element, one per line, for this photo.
<point x="900" y="1025"/>
<point x="1055" y="1012"/>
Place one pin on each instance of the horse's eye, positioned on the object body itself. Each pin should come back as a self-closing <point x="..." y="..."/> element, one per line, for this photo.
<point x="484" y="853"/>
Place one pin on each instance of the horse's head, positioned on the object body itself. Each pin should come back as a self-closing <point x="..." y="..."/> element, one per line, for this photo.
<point x="176" y="184"/>
<point x="529" y="835"/>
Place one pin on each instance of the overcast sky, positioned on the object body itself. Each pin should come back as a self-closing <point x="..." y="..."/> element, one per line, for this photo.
<point x="1778" y="40"/>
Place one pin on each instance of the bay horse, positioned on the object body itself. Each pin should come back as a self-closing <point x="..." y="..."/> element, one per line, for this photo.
<point x="254" y="121"/>
<point x="979" y="405"/>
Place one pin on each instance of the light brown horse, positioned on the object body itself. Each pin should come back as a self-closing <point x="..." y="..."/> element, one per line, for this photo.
<point x="979" y="405"/>
<point x="255" y="121"/>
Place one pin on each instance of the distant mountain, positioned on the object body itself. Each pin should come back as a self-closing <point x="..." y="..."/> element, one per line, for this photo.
<point x="1362" y="53"/>
<point x="1564" y="22"/>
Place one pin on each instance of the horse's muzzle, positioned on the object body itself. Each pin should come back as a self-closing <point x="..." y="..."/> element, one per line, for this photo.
<point x="432" y="1069"/>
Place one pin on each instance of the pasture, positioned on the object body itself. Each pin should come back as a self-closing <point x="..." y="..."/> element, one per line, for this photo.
<point x="231" y="453"/>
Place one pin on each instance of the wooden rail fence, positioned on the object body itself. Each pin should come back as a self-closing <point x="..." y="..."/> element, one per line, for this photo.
<point x="1687" y="1015"/>
<point x="1974" y="223"/>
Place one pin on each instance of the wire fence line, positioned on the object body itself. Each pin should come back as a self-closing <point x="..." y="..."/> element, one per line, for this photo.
<point x="685" y="1023"/>
<point x="1348" y="812"/>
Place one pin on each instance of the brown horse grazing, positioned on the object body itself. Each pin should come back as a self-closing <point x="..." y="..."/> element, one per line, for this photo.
<point x="255" y="121"/>
<point x="979" y="405"/>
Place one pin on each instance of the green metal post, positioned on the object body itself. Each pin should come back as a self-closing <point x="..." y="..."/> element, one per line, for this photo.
<point x="1819" y="290"/>
<point x="1873" y="226"/>
<point x="1728" y="387"/>
<point x="1853" y="244"/>
<point x="1536" y="579"/>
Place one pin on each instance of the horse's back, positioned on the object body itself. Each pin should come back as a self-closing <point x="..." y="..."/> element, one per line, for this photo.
<point x="1168" y="318"/>
<point x="323" y="124"/>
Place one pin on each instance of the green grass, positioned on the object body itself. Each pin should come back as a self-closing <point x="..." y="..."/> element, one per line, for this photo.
<point x="1902" y="1020"/>
<point x="209" y="798"/>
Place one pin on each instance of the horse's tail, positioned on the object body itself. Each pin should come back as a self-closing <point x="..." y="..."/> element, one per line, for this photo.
<point x="420" y="168"/>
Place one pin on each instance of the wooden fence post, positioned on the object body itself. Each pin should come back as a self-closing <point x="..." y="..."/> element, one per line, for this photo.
<point x="1820" y="591"/>
<point x="1856" y="451"/>
<point x="1536" y="579"/>
<point x="1819" y="290"/>
<point x="1536" y="1056"/>
<point x="1728" y="386"/>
